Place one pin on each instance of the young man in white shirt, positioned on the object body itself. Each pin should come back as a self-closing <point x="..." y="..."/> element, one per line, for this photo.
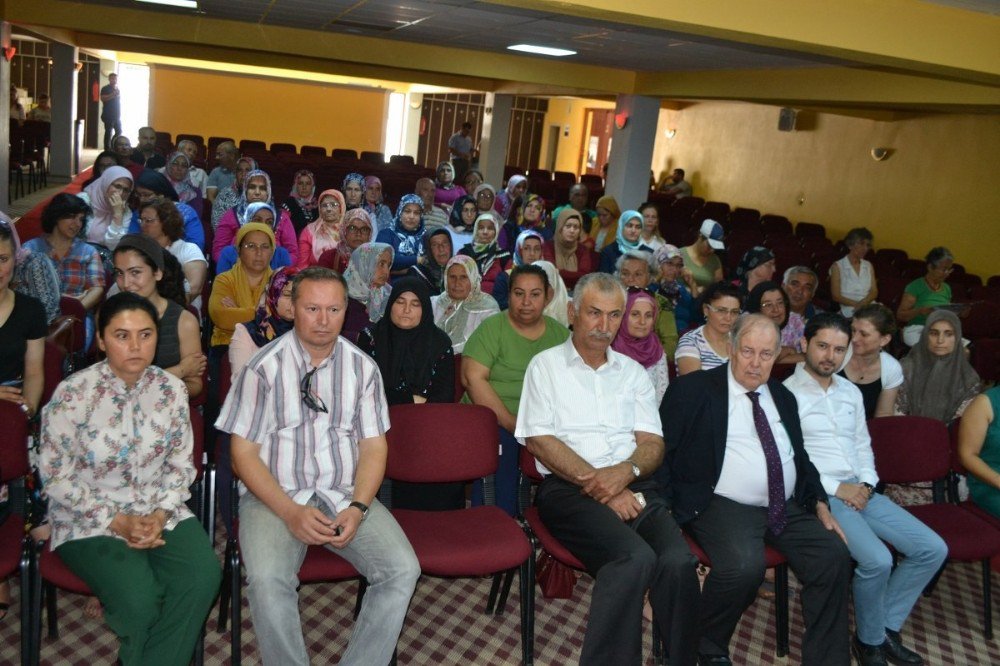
<point x="832" y="413"/>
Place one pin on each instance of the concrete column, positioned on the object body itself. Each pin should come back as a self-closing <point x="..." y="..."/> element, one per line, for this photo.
<point x="5" y="123"/>
<point x="496" y="134"/>
<point x="632" y="150"/>
<point x="64" y="89"/>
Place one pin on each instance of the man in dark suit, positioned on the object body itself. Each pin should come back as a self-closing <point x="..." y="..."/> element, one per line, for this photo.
<point x="740" y="478"/>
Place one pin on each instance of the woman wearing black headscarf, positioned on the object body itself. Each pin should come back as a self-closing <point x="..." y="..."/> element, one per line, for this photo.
<point x="417" y="366"/>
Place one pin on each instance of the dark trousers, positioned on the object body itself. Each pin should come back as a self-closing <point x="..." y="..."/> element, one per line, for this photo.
<point x="733" y="536"/>
<point x="626" y="559"/>
<point x="112" y="128"/>
<point x="505" y="479"/>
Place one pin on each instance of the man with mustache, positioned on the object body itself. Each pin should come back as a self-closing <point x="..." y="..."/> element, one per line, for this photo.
<point x="589" y="416"/>
<point x="740" y="478"/>
<point x="832" y="413"/>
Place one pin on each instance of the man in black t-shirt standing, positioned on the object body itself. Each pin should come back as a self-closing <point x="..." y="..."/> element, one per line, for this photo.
<point x="111" y="114"/>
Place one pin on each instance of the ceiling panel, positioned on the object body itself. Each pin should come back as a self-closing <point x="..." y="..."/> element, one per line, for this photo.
<point x="469" y="24"/>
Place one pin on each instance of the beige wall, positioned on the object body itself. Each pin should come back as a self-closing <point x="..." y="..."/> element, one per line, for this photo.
<point x="940" y="185"/>
<point x="271" y="110"/>
<point x="569" y="111"/>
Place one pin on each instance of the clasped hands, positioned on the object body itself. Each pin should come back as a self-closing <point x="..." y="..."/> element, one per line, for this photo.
<point x="312" y="527"/>
<point x="140" y="531"/>
<point x="609" y="485"/>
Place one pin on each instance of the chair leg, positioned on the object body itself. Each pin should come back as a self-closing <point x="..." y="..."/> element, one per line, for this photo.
<point x="526" y="582"/>
<point x="226" y="589"/>
<point x="27" y="576"/>
<point x="50" y="610"/>
<point x="987" y="601"/>
<point x="781" y="608"/>
<point x="362" y="588"/>
<point x="505" y="592"/>
<point x="236" y="602"/>
<point x="494" y="589"/>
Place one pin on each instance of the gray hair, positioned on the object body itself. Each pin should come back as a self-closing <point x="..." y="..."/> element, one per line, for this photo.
<point x="184" y="141"/>
<point x="937" y="255"/>
<point x="640" y="255"/>
<point x="750" y="321"/>
<point x="601" y="282"/>
<point x="795" y="270"/>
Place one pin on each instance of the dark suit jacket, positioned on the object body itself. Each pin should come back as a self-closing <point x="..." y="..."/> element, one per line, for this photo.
<point x="695" y="417"/>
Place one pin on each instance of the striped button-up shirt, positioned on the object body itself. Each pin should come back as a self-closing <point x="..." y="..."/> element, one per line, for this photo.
<point x="308" y="452"/>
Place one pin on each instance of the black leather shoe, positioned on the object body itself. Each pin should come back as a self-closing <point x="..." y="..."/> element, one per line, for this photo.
<point x="896" y="652"/>
<point x="714" y="660"/>
<point x="868" y="655"/>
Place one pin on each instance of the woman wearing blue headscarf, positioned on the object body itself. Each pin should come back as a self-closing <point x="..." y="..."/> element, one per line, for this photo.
<point x="406" y="234"/>
<point x="264" y="213"/>
<point x="527" y="250"/>
<point x="628" y="239"/>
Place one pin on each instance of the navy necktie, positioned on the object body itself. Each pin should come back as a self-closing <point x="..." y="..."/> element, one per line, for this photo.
<point x="776" y="519"/>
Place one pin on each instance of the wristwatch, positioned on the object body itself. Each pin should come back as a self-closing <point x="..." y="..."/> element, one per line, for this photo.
<point x="870" y="487"/>
<point x="363" y="508"/>
<point x="636" y="472"/>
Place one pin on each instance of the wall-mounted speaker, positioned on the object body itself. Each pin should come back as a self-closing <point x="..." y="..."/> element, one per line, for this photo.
<point x="786" y="119"/>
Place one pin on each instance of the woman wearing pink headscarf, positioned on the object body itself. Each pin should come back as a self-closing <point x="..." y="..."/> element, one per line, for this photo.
<point x="108" y="199"/>
<point x="355" y="230"/>
<point x="324" y="233"/>
<point x="637" y="338"/>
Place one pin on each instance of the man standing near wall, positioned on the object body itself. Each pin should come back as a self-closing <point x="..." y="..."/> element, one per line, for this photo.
<point x="111" y="114"/>
<point x="460" y="150"/>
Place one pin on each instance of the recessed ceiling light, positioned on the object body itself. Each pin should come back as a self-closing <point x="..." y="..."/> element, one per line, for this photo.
<point x="541" y="50"/>
<point x="187" y="4"/>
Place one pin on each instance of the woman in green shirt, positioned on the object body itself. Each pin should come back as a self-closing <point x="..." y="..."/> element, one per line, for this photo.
<point x="925" y="293"/>
<point x="979" y="449"/>
<point x="701" y="264"/>
<point x="494" y="362"/>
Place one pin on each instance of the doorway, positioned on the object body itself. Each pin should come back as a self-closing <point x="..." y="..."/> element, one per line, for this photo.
<point x="553" y="147"/>
<point x="596" y="144"/>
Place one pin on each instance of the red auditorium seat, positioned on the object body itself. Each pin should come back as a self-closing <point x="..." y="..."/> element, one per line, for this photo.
<point x="313" y="151"/>
<point x="775" y="225"/>
<point x="803" y="229"/>
<point x="744" y="217"/>
<point x="986" y="358"/>
<point x="915" y="449"/>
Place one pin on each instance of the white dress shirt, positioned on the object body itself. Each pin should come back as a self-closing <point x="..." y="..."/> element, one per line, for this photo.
<point x="596" y="413"/>
<point x="834" y="429"/>
<point x="744" y="468"/>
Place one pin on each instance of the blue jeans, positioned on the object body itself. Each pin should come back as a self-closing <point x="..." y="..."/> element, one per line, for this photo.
<point x="883" y="598"/>
<point x="379" y="551"/>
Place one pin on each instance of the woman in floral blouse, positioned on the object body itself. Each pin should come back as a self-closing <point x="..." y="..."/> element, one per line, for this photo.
<point x="116" y="461"/>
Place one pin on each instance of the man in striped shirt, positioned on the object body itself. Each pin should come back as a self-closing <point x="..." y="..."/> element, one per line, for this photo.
<point x="308" y="417"/>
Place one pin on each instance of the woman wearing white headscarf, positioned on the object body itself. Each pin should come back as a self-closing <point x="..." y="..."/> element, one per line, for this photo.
<point x="558" y="307"/>
<point x="462" y="306"/>
<point x="516" y="188"/>
<point x="368" y="289"/>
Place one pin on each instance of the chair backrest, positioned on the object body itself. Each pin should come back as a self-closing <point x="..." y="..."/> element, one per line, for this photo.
<point x="459" y="388"/>
<point x="526" y="463"/>
<point x="910" y="449"/>
<point x="198" y="450"/>
<point x="55" y="358"/>
<point x="13" y="442"/>
<point x="441" y="443"/>
<point x="318" y="151"/>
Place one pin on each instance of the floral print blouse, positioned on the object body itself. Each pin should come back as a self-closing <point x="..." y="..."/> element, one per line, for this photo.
<point x="108" y="449"/>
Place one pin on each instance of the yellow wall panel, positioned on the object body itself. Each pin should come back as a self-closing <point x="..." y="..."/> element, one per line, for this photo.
<point x="270" y="110"/>
<point x="939" y="186"/>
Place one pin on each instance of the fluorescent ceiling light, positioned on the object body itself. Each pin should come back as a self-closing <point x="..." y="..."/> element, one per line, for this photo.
<point x="541" y="50"/>
<point x="187" y="4"/>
